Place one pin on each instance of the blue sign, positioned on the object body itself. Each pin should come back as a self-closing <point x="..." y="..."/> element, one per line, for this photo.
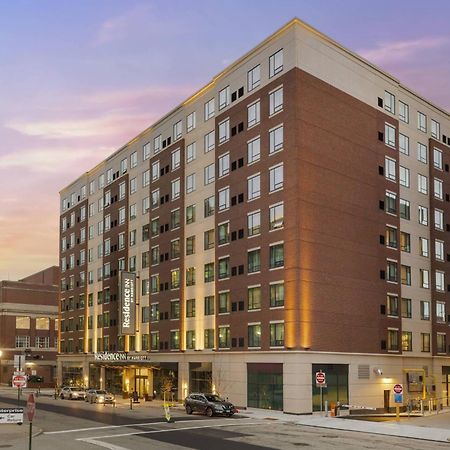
<point x="398" y="398"/>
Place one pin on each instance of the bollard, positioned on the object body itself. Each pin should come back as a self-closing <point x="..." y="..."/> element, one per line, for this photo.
<point x="326" y="408"/>
<point x="131" y="403"/>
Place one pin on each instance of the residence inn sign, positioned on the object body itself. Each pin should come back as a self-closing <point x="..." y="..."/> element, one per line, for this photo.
<point x="128" y="303"/>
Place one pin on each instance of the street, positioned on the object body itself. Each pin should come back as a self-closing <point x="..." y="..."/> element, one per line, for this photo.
<point x="78" y="425"/>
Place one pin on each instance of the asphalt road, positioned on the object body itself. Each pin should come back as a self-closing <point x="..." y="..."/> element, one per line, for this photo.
<point x="70" y="425"/>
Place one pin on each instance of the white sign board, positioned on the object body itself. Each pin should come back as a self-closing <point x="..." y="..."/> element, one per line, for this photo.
<point x="11" y="415"/>
<point x="19" y="381"/>
<point x="19" y="362"/>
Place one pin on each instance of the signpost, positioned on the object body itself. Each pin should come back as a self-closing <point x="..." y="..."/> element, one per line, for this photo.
<point x="11" y="415"/>
<point x="19" y="364"/>
<point x="398" y="398"/>
<point x="321" y="382"/>
<point x="31" y="408"/>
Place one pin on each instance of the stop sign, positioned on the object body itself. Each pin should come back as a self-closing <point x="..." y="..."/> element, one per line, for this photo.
<point x="31" y="407"/>
<point x="398" y="388"/>
<point x="19" y="381"/>
<point x="320" y="377"/>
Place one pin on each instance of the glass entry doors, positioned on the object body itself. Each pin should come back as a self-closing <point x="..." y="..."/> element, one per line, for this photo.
<point x="337" y="385"/>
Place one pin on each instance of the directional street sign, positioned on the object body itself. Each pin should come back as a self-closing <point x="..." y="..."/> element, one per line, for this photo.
<point x="19" y="381"/>
<point x="398" y="389"/>
<point x="11" y="415"/>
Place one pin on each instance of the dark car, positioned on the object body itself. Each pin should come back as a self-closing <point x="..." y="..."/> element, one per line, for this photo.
<point x="209" y="404"/>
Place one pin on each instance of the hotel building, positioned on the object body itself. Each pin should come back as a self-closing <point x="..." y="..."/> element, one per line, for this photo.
<point x="291" y="216"/>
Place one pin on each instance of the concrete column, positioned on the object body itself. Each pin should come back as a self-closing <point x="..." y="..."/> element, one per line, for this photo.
<point x="59" y="371"/>
<point x="183" y="380"/>
<point x="86" y="372"/>
<point x="102" y="377"/>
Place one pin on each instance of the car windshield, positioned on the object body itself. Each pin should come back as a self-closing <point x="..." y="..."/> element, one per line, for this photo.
<point x="213" y="398"/>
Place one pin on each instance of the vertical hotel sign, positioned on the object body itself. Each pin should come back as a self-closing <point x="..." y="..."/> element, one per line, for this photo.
<point x="127" y="303"/>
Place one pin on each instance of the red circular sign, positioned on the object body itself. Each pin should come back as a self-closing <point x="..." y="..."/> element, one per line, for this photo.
<point x="31" y="407"/>
<point x="19" y="381"/>
<point x="398" y="388"/>
<point x="320" y="377"/>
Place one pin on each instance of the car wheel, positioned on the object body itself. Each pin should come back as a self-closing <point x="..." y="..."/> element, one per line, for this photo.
<point x="188" y="409"/>
<point x="209" y="412"/>
<point x="62" y="396"/>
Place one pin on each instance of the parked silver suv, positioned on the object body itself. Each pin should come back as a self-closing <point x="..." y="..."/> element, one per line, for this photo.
<point x="209" y="404"/>
<point x="72" y="393"/>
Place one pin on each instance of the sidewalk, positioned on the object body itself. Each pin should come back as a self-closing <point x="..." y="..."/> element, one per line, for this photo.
<point x="399" y="429"/>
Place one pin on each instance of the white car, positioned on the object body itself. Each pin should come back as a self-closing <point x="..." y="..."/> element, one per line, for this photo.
<point x="72" y="393"/>
<point x="99" y="396"/>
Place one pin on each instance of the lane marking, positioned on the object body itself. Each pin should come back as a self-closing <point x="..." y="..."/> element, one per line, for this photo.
<point x="168" y="430"/>
<point x="76" y="430"/>
<point x="102" y="444"/>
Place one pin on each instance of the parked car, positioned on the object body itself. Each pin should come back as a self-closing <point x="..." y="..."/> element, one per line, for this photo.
<point x="72" y="393"/>
<point x="99" y="396"/>
<point x="209" y="404"/>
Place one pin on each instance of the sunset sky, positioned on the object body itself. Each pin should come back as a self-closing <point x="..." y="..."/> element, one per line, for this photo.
<point x="78" y="79"/>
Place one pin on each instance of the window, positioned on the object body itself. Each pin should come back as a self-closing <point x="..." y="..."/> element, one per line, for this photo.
<point x="440" y="281"/>
<point x="276" y="63"/>
<point x="392" y="305"/>
<point x="157" y="144"/>
<point x="175" y="249"/>
<point x="422" y="184"/>
<point x="421" y="122"/>
<point x="276" y="178"/>
<point x="253" y="78"/>
<point x="224" y="164"/>
<point x="403" y="144"/>
<point x="224" y="268"/>
<point x="209" y="174"/>
<point x="425" y="278"/>
<point x="175" y="219"/>
<point x="224" y="97"/>
<point x="190" y="122"/>
<point x="42" y="323"/>
<point x="155" y="171"/>
<point x="438" y="189"/>
<point x="154" y="224"/>
<point x="276" y="295"/>
<point x="426" y="347"/>
<point x="190" y="183"/>
<point x="190" y="245"/>
<point x="276" y="334"/>
<point x="390" y="169"/>
<point x="154" y="284"/>
<point x="422" y="153"/>
<point x="254" y="260"/>
<point x="177" y="130"/>
<point x="276" y="216"/>
<point x="210" y="142"/>
<point x="253" y="150"/>
<point x="435" y="129"/>
<point x="209" y="338"/>
<point x="224" y="337"/>
<point x="209" y="272"/>
<point x="22" y="323"/>
<point x="190" y="276"/>
<point x="133" y="185"/>
<point x="403" y="112"/>
<point x="133" y="160"/>
<point x="190" y="307"/>
<point x="406" y="341"/>
<point x="209" y="239"/>
<point x="389" y="135"/>
<point x="440" y="311"/>
<point x="191" y="152"/>
<point x="406" y="308"/>
<point x="175" y="189"/>
<point x="254" y="336"/>
<point x="391" y="271"/>
<point x="392" y="344"/>
<point x="209" y="206"/>
<point x="276" y="256"/>
<point x="439" y="250"/>
<point x="276" y="139"/>
<point x="254" y="298"/>
<point x="210" y="108"/>
<point x="224" y="233"/>
<point x="174" y="309"/>
<point x="22" y="341"/>
<point x="154" y="312"/>
<point x="406" y="275"/>
<point x="391" y="237"/>
<point x="437" y="159"/>
<point x="254" y="187"/>
<point x="254" y="223"/>
<point x="190" y="339"/>
<point x="176" y="159"/>
<point x="155" y="198"/>
<point x="175" y="278"/>
<point x="405" y="242"/>
<point x="224" y="199"/>
<point x="389" y="102"/>
<point x="190" y="214"/>
<point x="423" y="215"/>
<point x="154" y="340"/>
<point x="424" y="247"/>
<point x="276" y="101"/>
<point x="145" y="205"/>
<point x="224" y="131"/>
<point x="424" y="310"/>
<point x="42" y="342"/>
<point x="224" y="302"/>
<point x="253" y="114"/>
<point x="441" y="343"/>
<point x="174" y="339"/>
<point x="404" y="177"/>
<point x="438" y="219"/>
<point x="155" y="255"/>
<point x="405" y="210"/>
